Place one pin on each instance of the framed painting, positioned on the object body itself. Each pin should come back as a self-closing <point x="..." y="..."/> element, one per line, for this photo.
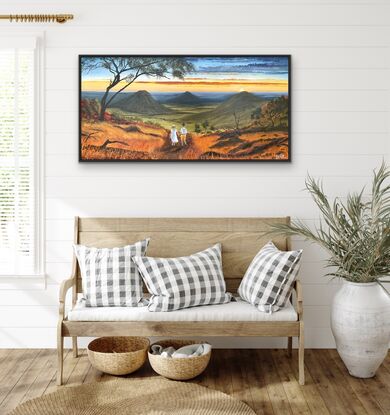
<point x="185" y="108"/>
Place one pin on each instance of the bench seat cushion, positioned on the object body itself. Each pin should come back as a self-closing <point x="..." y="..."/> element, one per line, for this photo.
<point x="238" y="310"/>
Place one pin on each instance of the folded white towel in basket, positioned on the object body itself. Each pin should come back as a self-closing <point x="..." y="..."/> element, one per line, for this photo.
<point x="190" y="350"/>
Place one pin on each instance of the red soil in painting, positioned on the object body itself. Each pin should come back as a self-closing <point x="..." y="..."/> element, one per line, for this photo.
<point x="137" y="140"/>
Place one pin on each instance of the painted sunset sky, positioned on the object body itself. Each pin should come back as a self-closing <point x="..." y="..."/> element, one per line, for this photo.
<point x="268" y="74"/>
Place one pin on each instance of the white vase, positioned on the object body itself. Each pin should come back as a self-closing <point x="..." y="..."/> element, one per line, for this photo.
<point x="360" y="321"/>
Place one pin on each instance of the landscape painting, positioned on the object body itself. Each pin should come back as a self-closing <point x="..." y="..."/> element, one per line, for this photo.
<point x="185" y="108"/>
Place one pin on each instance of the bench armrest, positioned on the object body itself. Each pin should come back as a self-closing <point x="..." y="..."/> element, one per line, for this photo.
<point x="299" y="292"/>
<point x="65" y="285"/>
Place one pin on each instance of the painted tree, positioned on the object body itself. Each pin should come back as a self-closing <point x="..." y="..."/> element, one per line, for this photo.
<point x="275" y="113"/>
<point x="237" y="119"/>
<point x="126" y="70"/>
<point x="256" y="115"/>
<point x="205" y="124"/>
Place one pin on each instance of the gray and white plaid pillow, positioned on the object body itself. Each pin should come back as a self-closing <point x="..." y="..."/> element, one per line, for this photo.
<point x="268" y="281"/>
<point x="183" y="282"/>
<point x="109" y="276"/>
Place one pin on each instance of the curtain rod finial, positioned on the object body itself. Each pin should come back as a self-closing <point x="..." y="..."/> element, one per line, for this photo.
<point x="37" y="18"/>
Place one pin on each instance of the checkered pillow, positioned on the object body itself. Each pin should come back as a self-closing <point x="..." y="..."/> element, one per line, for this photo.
<point x="183" y="282"/>
<point x="109" y="276"/>
<point x="268" y="281"/>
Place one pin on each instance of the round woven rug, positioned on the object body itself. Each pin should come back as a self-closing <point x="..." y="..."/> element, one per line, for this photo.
<point x="134" y="396"/>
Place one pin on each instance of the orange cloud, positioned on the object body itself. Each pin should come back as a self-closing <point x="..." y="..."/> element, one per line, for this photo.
<point x="230" y="85"/>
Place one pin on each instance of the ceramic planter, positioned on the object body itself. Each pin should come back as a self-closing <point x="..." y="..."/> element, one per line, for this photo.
<point x="360" y="321"/>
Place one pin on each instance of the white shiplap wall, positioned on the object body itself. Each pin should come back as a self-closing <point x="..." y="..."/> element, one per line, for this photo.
<point x="340" y="102"/>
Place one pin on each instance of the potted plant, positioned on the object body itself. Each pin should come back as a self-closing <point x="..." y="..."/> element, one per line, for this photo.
<point x="356" y="234"/>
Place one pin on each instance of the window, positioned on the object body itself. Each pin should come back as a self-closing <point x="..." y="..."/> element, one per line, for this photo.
<point x="21" y="252"/>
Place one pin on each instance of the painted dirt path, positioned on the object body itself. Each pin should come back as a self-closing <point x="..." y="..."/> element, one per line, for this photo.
<point x="107" y="140"/>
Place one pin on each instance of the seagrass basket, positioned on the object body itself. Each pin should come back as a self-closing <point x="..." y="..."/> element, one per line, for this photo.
<point x="179" y="368"/>
<point x="118" y="355"/>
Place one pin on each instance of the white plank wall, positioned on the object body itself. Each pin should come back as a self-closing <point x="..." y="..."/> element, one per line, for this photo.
<point x="340" y="113"/>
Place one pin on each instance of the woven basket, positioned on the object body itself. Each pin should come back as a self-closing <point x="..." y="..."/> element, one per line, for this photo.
<point x="118" y="355"/>
<point x="179" y="368"/>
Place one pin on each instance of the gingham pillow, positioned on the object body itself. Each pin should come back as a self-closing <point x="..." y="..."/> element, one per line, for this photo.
<point x="109" y="276"/>
<point x="176" y="283"/>
<point x="268" y="281"/>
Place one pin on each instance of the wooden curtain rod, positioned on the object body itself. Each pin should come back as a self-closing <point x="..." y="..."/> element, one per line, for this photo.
<point x="37" y="18"/>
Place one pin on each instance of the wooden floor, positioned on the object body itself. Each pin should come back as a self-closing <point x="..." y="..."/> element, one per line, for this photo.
<point x="265" y="379"/>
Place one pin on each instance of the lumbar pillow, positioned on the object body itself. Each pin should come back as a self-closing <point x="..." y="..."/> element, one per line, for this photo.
<point x="176" y="283"/>
<point x="268" y="281"/>
<point x="109" y="276"/>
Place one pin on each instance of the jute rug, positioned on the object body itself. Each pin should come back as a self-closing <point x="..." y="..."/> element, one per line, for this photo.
<point x="155" y="396"/>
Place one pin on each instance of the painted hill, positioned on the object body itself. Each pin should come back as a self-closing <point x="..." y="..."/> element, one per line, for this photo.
<point x="186" y="98"/>
<point x="141" y="102"/>
<point x="238" y="103"/>
<point x="240" y="106"/>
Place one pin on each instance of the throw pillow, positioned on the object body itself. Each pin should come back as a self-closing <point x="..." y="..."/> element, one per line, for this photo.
<point x="176" y="283"/>
<point x="109" y="276"/>
<point x="268" y="281"/>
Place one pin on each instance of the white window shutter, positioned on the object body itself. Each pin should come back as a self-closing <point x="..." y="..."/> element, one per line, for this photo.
<point x="19" y="185"/>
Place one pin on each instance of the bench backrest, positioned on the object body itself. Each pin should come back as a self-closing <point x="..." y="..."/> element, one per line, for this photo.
<point x="241" y="238"/>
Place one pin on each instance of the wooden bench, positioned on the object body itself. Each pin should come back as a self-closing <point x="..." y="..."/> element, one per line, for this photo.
<point x="241" y="239"/>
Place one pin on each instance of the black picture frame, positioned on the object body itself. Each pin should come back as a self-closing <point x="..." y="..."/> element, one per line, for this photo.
<point x="283" y="160"/>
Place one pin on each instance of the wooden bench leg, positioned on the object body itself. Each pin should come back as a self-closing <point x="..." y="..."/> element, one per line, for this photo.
<point x="301" y="354"/>
<point x="60" y="354"/>
<point x="74" y="346"/>
<point x="289" y="346"/>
